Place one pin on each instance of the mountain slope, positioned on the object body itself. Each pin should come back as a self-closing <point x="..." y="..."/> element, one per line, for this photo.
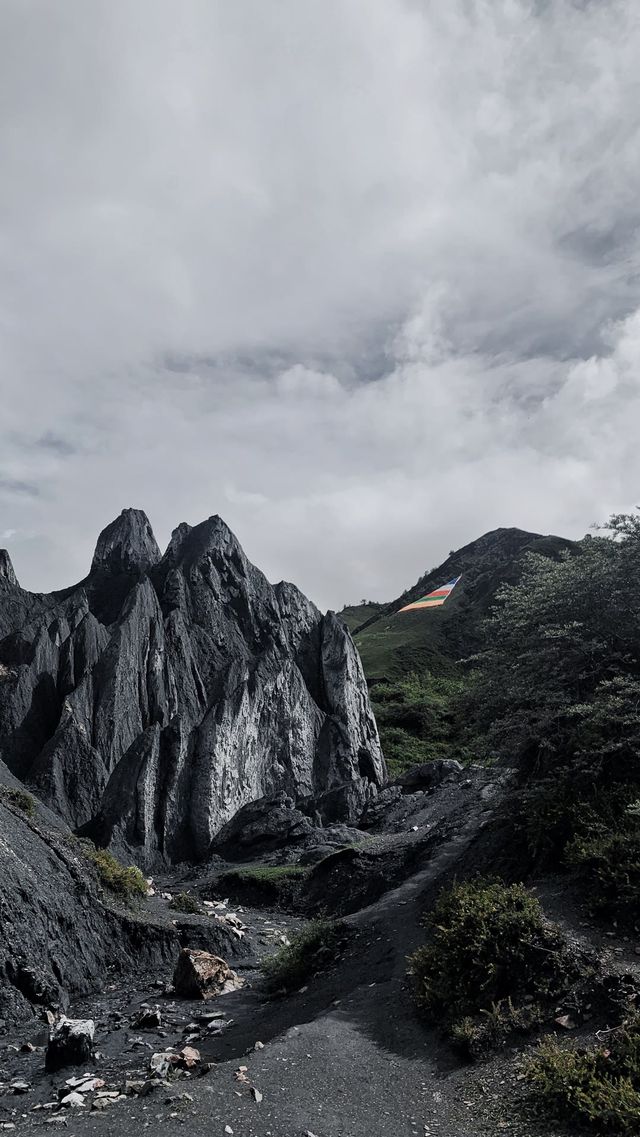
<point x="150" y="702"/>
<point x="392" y="645"/>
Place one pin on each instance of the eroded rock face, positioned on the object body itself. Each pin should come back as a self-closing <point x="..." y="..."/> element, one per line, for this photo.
<point x="56" y="937"/>
<point x="151" y="702"/>
<point x="6" y="568"/>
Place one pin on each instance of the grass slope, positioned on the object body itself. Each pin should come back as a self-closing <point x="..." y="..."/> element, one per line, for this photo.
<point x="392" y="645"/>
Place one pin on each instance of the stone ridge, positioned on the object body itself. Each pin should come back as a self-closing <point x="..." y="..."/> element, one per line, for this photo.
<point x="153" y="701"/>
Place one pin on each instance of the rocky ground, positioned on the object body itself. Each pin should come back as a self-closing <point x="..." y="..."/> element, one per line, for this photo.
<point x="344" y="1056"/>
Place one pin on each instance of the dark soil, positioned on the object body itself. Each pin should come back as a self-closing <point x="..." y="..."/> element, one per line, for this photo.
<point x="345" y="1056"/>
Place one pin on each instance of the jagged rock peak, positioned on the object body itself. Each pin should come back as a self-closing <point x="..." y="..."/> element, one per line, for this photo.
<point x="6" y="568"/>
<point x="126" y="545"/>
<point x="178" y="537"/>
<point x="192" y="543"/>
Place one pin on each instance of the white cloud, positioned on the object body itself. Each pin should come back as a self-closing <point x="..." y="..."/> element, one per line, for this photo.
<point x="362" y="276"/>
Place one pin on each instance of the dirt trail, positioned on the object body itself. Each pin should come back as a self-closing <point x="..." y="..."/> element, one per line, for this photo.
<point x="346" y="1056"/>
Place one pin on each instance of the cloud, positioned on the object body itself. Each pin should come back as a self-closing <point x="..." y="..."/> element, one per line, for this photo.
<point x="362" y="276"/>
<point x="13" y="487"/>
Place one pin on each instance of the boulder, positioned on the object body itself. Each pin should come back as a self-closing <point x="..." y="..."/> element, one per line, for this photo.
<point x="160" y="1064"/>
<point x="70" y="1043"/>
<point x="73" y="1100"/>
<point x="430" y="775"/>
<point x="375" y="812"/>
<point x="148" y="1018"/>
<point x="262" y="826"/>
<point x="188" y="1057"/>
<point x="199" y="975"/>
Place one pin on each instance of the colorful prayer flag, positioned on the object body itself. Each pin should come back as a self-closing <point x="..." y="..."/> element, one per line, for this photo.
<point x="434" y="600"/>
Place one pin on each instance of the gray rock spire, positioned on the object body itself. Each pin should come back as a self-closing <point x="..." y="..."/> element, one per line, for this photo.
<point x="127" y="545"/>
<point x="6" y="568"/>
<point x="163" y="694"/>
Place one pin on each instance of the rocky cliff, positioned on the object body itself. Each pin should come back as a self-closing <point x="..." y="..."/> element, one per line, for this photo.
<point x="149" y="703"/>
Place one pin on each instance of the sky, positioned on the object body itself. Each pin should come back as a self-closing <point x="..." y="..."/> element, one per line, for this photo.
<point x="360" y="276"/>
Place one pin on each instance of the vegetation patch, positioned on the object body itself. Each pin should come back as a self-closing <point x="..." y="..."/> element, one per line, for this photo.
<point x="493" y="965"/>
<point x="265" y="873"/>
<point x="607" y="858"/>
<point x="186" y="902"/>
<point x="126" y="882"/>
<point x="313" y="949"/>
<point x="417" y="719"/>
<point x="262" y="884"/>
<point x="597" y="1089"/>
<point x="21" y="799"/>
<point x="556" y="690"/>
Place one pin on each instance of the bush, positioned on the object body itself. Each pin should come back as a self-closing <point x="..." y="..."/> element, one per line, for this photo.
<point x="126" y="882"/>
<point x="598" y="1089"/>
<point x="475" y="1036"/>
<point x="311" y="949"/>
<point x="609" y="863"/>
<point x="21" y="799"/>
<point x="491" y="964"/>
<point x="185" y="902"/>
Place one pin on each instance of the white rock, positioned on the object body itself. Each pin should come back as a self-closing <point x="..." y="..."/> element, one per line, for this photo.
<point x="73" y="1100"/>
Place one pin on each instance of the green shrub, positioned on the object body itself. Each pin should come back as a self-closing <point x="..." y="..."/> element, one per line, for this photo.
<point x="185" y="902"/>
<point x="596" y="1089"/>
<point x="609" y="863"/>
<point x="402" y="750"/>
<point x="490" y="1029"/>
<point x="312" y="949"/>
<point x="491" y="962"/>
<point x="126" y="882"/>
<point x="21" y="799"/>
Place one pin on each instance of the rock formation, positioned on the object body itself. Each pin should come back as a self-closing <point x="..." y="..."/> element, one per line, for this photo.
<point x="149" y="703"/>
<point x="56" y="937"/>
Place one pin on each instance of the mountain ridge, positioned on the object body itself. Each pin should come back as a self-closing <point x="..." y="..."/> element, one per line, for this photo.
<point x="391" y="645"/>
<point x="152" y="700"/>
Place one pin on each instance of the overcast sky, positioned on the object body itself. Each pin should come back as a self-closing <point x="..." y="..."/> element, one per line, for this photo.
<point x="361" y="276"/>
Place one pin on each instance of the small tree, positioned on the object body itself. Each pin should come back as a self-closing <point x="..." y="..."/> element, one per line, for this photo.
<point x="556" y="688"/>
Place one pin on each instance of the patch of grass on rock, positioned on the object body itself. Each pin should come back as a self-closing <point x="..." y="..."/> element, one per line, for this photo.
<point x="21" y="799"/>
<point x="597" y="1089"/>
<point x="265" y="873"/>
<point x="261" y="884"/>
<point x="187" y="903"/>
<point x="126" y="882"/>
<point x="312" y="949"/>
<point x="492" y="964"/>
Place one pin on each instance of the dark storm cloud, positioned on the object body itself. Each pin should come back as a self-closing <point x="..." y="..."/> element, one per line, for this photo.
<point x="13" y="487"/>
<point x="51" y="441"/>
<point x="361" y="276"/>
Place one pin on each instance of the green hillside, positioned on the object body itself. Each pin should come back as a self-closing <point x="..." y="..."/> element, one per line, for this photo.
<point x="393" y="645"/>
<point x="412" y="660"/>
<point x="355" y="615"/>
